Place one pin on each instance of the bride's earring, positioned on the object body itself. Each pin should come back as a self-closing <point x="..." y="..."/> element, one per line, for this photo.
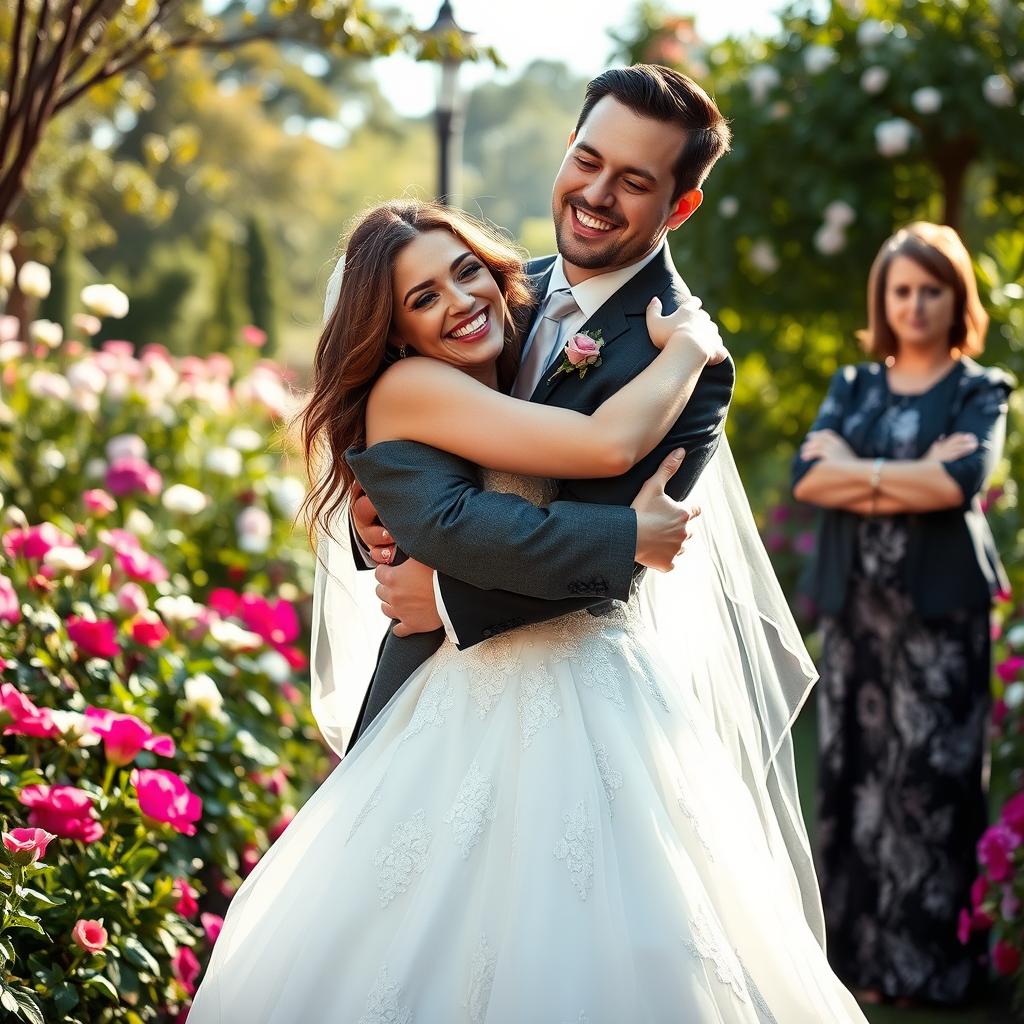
<point x="402" y="352"/>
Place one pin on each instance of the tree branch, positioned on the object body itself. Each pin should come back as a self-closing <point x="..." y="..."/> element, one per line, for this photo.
<point x="15" y="67"/>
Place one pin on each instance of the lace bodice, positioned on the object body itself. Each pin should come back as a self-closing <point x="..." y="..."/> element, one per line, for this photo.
<point x="536" y="490"/>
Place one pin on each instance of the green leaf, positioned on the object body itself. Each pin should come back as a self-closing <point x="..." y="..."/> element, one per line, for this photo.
<point x="29" y="1007"/>
<point x="141" y="860"/>
<point x="45" y="898"/>
<point x="65" y="998"/>
<point x="135" y="952"/>
<point x="97" y="981"/>
<point x="24" y="921"/>
<point x="8" y="1000"/>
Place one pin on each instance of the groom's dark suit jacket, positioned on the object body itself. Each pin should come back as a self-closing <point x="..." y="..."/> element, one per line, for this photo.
<point x="502" y="562"/>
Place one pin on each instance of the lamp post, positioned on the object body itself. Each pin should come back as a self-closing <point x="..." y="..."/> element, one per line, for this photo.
<point x="449" y="107"/>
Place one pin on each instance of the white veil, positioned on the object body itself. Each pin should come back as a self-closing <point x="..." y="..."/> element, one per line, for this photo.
<point x="721" y="625"/>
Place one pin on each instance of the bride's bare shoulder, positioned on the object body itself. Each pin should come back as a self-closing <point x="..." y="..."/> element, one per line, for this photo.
<point x="407" y="387"/>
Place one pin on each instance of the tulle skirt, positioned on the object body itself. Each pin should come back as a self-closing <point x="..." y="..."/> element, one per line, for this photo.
<point x="543" y="828"/>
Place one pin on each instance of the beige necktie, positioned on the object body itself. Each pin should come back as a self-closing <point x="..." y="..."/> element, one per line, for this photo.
<point x="558" y="306"/>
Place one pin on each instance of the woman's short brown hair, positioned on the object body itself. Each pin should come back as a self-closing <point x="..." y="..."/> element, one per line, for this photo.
<point x="939" y="250"/>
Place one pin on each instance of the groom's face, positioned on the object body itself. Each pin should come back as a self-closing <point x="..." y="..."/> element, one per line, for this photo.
<point x="612" y="200"/>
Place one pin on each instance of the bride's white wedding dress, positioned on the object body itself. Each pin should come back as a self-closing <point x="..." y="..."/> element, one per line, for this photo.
<point x="545" y="827"/>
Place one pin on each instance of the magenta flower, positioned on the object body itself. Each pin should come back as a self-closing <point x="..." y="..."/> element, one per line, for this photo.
<point x="98" y="502"/>
<point x="20" y="717"/>
<point x="275" y="621"/>
<point x="212" y="925"/>
<point x="10" y="607"/>
<point x="963" y="927"/>
<point x="94" y="639"/>
<point x="131" y="598"/>
<point x="224" y="602"/>
<point x="125" y="735"/>
<point x="186" y="969"/>
<point x="27" y="845"/>
<point x="148" y="629"/>
<point x="1005" y="958"/>
<point x="1009" y="668"/>
<point x="995" y="851"/>
<point x="64" y="810"/>
<point x="89" y="935"/>
<point x="187" y="904"/>
<point x="252" y="335"/>
<point x="35" y="541"/>
<point x="1013" y="813"/>
<point x="164" y="796"/>
<point x="141" y="565"/>
<point x="133" y="476"/>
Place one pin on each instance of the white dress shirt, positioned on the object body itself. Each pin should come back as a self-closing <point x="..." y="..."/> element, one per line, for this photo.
<point x="590" y="296"/>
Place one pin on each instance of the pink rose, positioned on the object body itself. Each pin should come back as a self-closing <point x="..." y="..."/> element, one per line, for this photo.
<point x="20" y="717"/>
<point x="10" y="607"/>
<point x="89" y="935"/>
<point x="186" y="969"/>
<point x="1009" y="668"/>
<point x="275" y="621"/>
<point x="995" y="851"/>
<point x="187" y="904"/>
<point x="98" y="502"/>
<point x="93" y="639"/>
<point x="1005" y="958"/>
<point x="164" y="796"/>
<point x="250" y="858"/>
<point x="582" y="350"/>
<point x="1013" y="813"/>
<point x="212" y="925"/>
<point x="27" y="845"/>
<point x="253" y="336"/>
<point x="291" y="693"/>
<point x="35" y="541"/>
<point x="63" y="810"/>
<point x="131" y="598"/>
<point x="125" y="735"/>
<point x="979" y="890"/>
<point x="148" y="629"/>
<point x="223" y="601"/>
<point x="963" y="927"/>
<point x="141" y="565"/>
<point x="277" y="829"/>
<point x="133" y="476"/>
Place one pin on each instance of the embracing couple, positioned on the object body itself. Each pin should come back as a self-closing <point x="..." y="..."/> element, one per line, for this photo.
<point x="568" y="794"/>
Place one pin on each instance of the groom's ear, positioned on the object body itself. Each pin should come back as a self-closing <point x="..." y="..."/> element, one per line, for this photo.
<point x="686" y="206"/>
<point x="572" y="139"/>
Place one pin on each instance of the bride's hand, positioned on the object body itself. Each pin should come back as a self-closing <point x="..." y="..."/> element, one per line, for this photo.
<point x="662" y="524"/>
<point x="689" y="325"/>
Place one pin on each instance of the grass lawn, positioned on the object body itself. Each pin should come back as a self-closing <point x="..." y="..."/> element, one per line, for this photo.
<point x="997" y="1009"/>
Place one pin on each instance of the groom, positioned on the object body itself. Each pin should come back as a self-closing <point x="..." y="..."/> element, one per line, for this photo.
<point x="482" y="563"/>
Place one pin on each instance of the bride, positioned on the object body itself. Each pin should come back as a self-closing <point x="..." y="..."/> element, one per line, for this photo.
<point x="592" y="819"/>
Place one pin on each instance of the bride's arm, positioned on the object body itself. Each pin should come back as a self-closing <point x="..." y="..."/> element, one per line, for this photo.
<point x="428" y="401"/>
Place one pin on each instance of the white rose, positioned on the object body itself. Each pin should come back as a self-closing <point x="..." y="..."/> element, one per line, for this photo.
<point x="105" y="300"/>
<point x="274" y="665"/>
<point x="74" y="728"/>
<point x="233" y="637"/>
<point x="224" y="461"/>
<point x="96" y="469"/>
<point x="287" y="494"/>
<point x="874" y="80"/>
<point x="139" y="523"/>
<point x="202" y="695"/>
<point x="182" y="498"/>
<point x="1014" y="695"/>
<point x="34" y="279"/>
<point x="11" y="350"/>
<point x="998" y="90"/>
<point x="818" y="58"/>
<point x="728" y="206"/>
<point x="254" y="527"/>
<point x="245" y="439"/>
<point x="45" y="384"/>
<point x="839" y="213"/>
<point x="871" y="33"/>
<point x="46" y="332"/>
<point x="829" y="239"/>
<point x="8" y="271"/>
<point x="84" y="401"/>
<point x="763" y="258"/>
<point x="86" y="323"/>
<point x="1015" y="635"/>
<point x="893" y="137"/>
<point x="69" y="559"/>
<point x="180" y="608"/>
<point x="85" y="375"/>
<point x="53" y="459"/>
<point x="926" y="100"/>
<point x="126" y="446"/>
<point x="761" y="80"/>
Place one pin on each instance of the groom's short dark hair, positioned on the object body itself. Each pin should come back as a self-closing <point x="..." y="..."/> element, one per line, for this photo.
<point x="662" y="94"/>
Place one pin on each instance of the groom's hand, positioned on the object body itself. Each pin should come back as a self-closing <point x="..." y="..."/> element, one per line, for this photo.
<point x="662" y="524"/>
<point x="406" y="593"/>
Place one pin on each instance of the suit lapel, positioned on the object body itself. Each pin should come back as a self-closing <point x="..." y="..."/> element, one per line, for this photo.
<point x="624" y="310"/>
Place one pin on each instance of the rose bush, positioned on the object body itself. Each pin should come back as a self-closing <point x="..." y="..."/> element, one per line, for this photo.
<point x="153" y="704"/>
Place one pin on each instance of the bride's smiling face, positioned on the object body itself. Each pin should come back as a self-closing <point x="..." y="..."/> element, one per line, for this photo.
<point x="446" y="303"/>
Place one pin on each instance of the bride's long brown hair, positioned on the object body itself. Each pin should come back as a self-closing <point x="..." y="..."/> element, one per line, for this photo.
<point x="353" y="349"/>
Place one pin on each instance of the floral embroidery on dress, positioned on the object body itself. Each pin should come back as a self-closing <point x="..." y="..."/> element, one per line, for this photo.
<point x="537" y="704"/>
<point x="695" y="820"/>
<point x="577" y="638"/>
<point x="371" y="801"/>
<point x="404" y="857"/>
<point x="481" y="977"/>
<point x="610" y="778"/>
<point x="382" y="1006"/>
<point x="432" y="708"/>
<point x="493" y="664"/>
<point x="764" y="1011"/>
<point x="474" y="806"/>
<point x="707" y="942"/>
<point x="576" y="848"/>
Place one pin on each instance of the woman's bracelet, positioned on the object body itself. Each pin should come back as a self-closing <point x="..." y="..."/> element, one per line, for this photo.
<point x="876" y="480"/>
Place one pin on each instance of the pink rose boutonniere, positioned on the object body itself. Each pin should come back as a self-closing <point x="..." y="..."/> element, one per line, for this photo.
<point x="581" y="352"/>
